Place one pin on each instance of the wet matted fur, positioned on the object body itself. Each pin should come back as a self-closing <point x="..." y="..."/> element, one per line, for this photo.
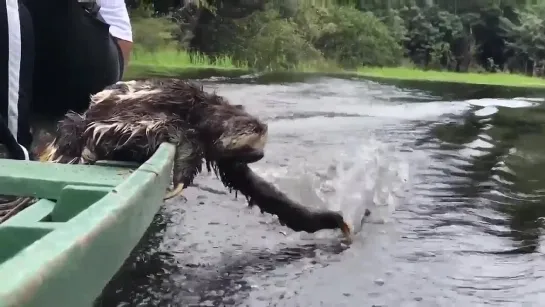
<point x="129" y="120"/>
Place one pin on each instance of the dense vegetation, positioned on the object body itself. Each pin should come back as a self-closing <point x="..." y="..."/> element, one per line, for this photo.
<point x="454" y="35"/>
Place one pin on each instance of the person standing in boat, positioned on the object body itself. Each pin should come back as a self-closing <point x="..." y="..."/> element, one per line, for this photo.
<point x="54" y="55"/>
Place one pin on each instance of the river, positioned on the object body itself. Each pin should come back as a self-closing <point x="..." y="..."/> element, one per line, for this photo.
<point x="454" y="179"/>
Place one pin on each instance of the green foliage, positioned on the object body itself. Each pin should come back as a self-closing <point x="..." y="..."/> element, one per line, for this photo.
<point x="431" y="35"/>
<point x="344" y="35"/>
<point x="353" y="38"/>
<point x="270" y="42"/>
<point x="458" y="35"/>
<point x="152" y="33"/>
<point x="396" y="25"/>
<point x="527" y="40"/>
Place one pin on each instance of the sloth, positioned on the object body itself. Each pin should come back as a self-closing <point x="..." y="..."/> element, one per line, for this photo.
<point x="128" y="121"/>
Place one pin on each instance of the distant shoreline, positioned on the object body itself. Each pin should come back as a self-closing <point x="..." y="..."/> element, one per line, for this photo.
<point x="183" y="64"/>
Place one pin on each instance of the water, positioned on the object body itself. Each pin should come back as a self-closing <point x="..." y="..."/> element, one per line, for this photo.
<point x="454" y="181"/>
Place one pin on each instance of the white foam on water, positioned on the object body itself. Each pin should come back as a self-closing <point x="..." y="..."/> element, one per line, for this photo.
<point x="489" y="106"/>
<point x="486" y="111"/>
<point x="535" y="99"/>
<point x="507" y="103"/>
<point x="408" y="111"/>
<point x="477" y="147"/>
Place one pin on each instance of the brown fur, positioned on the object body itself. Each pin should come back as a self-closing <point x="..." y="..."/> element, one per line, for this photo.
<point x="129" y="120"/>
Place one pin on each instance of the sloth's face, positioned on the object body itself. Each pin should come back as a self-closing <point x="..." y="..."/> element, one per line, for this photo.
<point x="243" y="140"/>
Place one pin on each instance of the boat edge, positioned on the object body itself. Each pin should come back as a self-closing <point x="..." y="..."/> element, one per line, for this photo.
<point x="39" y="274"/>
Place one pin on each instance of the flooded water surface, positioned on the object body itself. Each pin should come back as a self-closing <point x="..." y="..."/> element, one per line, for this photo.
<point x="454" y="178"/>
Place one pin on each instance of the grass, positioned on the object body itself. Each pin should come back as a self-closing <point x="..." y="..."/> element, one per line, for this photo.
<point x="172" y="62"/>
<point x="180" y="58"/>
<point x="501" y="79"/>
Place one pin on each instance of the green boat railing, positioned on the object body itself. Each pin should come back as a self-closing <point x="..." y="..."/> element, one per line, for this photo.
<point x="63" y="249"/>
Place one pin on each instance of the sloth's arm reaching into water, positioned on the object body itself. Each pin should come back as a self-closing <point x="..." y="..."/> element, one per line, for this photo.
<point x="240" y="177"/>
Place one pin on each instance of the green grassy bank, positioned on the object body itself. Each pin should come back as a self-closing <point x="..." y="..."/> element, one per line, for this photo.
<point x="176" y="63"/>
<point x="180" y="63"/>
<point x="500" y="79"/>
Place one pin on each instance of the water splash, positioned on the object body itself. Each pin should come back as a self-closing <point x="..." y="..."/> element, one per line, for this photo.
<point x="374" y="177"/>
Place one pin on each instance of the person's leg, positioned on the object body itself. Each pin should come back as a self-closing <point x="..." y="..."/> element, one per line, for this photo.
<point x="75" y="56"/>
<point x="16" y="63"/>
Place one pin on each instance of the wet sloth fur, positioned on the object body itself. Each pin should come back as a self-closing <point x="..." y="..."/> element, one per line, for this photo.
<point x="129" y="120"/>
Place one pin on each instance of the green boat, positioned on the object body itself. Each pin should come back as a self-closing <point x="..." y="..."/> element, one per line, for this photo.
<point x="63" y="249"/>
